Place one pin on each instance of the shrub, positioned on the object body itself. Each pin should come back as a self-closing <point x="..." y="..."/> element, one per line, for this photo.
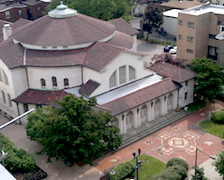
<point x="122" y="170"/>
<point x="177" y="161"/>
<point x="218" y="117"/>
<point x="17" y="159"/>
<point x="199" y="174"/>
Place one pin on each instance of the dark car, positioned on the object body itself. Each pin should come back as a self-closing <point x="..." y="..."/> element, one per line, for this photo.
<point x="167" y="48"/>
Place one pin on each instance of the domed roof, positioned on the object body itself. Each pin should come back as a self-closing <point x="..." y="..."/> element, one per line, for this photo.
<point x="64" y="27"/>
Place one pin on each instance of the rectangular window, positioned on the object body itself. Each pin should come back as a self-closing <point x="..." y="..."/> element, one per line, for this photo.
<point x="186" y="83"/>
<point x="180" y="36"/>
<point x="191" y="24"/>
<point x="38" y="9"/>
<point x="190" y="39"/>
<point x="212" y="36"/>
<point x="221" y="28"/>
<point x="25" y="106"/>
<point x="190" y="51"/>
<point x="185" y="96"/>
<point x="7" y="14"/>
<point x="180" y="22"/>
<point x="20" y="12"/>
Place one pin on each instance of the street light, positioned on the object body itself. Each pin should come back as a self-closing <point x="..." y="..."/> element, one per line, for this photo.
<point x="196" y="160"/>
<point x="138" y="162"/>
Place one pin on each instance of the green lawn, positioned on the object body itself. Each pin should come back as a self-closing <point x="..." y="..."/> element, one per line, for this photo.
<point x="149" y="167"/>
<point x="212" y="128"/>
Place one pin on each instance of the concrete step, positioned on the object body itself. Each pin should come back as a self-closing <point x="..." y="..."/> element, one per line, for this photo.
<point x="154" y="128"/>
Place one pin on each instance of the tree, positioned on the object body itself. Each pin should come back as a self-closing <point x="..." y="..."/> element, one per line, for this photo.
<point x="219" y="163"/>
<point x="74" y="132"/>
<point x="168" y="58"/>
<point x="153" y="18"/>
<point x="209" y="79"/>
<point x="100" y="9"/>
<point x="200" y="175"/>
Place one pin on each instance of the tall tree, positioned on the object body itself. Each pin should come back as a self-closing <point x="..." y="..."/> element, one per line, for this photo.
<point x="100" y="9"/>
<point x="74" y="132"/>
<point x="153" y="18"/>
<point x="209" y="78"/>
<point x="219" y="163"/>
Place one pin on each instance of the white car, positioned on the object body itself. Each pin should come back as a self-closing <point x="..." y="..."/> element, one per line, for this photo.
<point x="173" y="50"/>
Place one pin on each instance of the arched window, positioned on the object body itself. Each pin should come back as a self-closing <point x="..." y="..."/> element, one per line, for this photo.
<point x="112" y="79"/>
<point x="3" y="97"/>
<point x="131" y="73"/>
<point x="43" y="83"/>
<point x="10" y="102"/>
<point x="5" y="78"/>
<point x="122" y="73"/>
<point x="66" y="83"/>
<point x="54" y="82"/>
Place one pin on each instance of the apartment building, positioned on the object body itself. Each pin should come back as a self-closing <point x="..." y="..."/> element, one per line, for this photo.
<point x="196" y="31"/>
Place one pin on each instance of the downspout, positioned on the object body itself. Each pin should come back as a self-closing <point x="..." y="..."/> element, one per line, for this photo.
<point x="18" y="112"/>
<point x="24" y="64"/>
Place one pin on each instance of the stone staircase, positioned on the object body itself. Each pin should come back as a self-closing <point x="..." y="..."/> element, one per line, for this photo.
<point x="152" y="128"/>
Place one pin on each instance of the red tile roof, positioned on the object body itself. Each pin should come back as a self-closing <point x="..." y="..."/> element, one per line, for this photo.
<point x="177" y="74"/>
<point x="88" y="88"/>
<point x="19" y="23"/>
<point x="141" y="96"/>
<point x="123" y="26"/>
<point x="79" y="29"/>
<point x="44" y="97"/>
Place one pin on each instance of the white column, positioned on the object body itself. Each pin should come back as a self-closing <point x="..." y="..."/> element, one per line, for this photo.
<point x="148" y="105"/>
<point x="162" y="105"/>
<point x="135" y="118"/>
<point x="120" y="124"/>
<point x="152" y="110"/>
<point x="138" y="116"/>
<point x="124" y="125"/>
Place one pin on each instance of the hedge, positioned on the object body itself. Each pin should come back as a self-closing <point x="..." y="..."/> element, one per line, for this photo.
<point x="177" y="161"/>
<point x="17" y="159"/>
<point x="218" y="117"/>
<point x="122" y="170"/>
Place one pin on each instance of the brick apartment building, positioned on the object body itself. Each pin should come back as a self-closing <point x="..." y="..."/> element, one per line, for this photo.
<point x="196" y="31"/>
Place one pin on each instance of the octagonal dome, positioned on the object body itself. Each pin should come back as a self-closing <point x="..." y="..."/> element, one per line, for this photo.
<point x="63" y="28"/>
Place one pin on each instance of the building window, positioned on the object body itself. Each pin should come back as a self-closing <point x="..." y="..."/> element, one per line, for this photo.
<point x="191" y="24"/>
<point x="122" y="73"/>
<point x="66" y="83"/>
<point x="5" y="78"/>
<point x="54" y="82"/>
<point x="38" y="105"/>
<point x="190" y="39"/>
<point x="186" y="83"/>
<point x="7" y="14"/>
<point x="180" y="22"/>
<point x="38" y="9"/>
<point x="131" y="73"/>
<point x="43" y="83"/>
<point x="0" y="75"/>
<point x="180" y="36"/>
<point x="112" y="79"/>
<point x="3" y="97"/>
<point x="211" y="36"/>
<point x="190" y="51"/>
<point x="10" y="101"/>
<point x="185" y="96"/>
<point x="25" y="106"/>
<point x="20" y="12"/>
<point x="221" y="28"/>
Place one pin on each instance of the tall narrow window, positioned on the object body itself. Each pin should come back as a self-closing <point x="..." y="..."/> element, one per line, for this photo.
<point x="54" y="82"/>
<point x="43" y="83"/>
<point x="112" y="79"/>
<point x="131" y="73"/>
<point x="66" y="83"/>
<point x="5" y="78"/>
<point x="185" y="96"/>
<point x="3" y="97"/>
<point x="10" y="101"/>
<point x="122" y="74"/>
<point x="25" y="106"/>
<point x="7" y="14"/>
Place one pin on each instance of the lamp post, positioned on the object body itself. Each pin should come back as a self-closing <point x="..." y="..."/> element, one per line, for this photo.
<point x="196" y="160"/>
<point x="138" y="162"/>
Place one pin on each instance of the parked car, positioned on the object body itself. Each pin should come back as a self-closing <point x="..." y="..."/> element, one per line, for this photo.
<point x="167" y="48"/>
<point x="173" y="50"/>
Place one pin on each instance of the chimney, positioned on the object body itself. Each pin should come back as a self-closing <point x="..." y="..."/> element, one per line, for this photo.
<point x="7" y="31"/>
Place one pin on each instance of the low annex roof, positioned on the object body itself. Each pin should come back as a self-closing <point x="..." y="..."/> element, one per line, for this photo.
<point x="42" y="97"/>
<point x="88" y="88"/>
<point x="141" y="96"/>
<point x="177" y="74"/>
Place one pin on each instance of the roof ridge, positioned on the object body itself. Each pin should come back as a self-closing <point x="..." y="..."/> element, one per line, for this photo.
<point x="70" y="29"/>
<point x="163" y="80"/>
<point x="91" y="23"/>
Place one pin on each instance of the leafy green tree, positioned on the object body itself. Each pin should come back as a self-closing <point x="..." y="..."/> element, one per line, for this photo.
<point x="153" y="18"/>
<point x="100" y="9"/>
<point x="219" y="163"/>
<point x="209" y="79"/>
<point x="200" y="175"/>
<point x="74" y="132"/>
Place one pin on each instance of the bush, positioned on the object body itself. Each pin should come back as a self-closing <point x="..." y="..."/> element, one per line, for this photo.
<point x="122" y="170"/>
<point x="17" y="159"/>
<point x="218" y="117"/>
<point x="177" y="161"/>
<point x="199" y="174"/>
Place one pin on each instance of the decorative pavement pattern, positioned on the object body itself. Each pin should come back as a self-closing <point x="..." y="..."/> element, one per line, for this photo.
<point x="179" y="139"/>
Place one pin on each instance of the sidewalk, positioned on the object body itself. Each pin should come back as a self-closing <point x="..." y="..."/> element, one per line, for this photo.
<point x="56" y="170"/>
